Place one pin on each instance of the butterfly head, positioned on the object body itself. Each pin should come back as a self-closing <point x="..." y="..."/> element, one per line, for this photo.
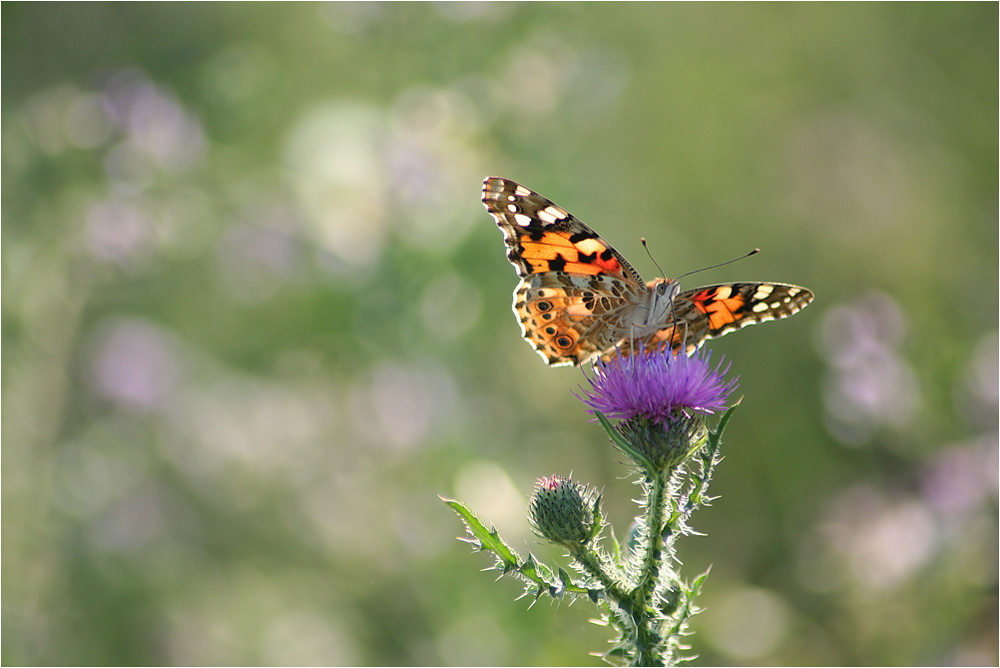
<point x="660" y="305"/>
<point x="664" y="288"/>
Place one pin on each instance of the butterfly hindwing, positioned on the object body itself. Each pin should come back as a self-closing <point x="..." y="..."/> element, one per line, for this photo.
<point x="716" y="310"/>
<point x="568" y="318"/>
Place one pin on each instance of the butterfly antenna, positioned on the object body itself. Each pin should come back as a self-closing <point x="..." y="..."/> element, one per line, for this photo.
<point x="714" y="266"/>
<point x="673" y="308"/>
<point x="721" y="264"/>
<point x="643" y="240"/>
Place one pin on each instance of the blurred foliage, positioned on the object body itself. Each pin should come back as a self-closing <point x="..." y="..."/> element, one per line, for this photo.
<point x="255" y="319"/>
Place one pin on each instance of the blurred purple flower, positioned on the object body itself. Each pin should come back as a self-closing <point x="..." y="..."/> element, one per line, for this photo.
<point x="657" y="386"/>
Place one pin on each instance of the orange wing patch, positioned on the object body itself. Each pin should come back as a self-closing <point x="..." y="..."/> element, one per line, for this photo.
<point x="720" y="304"/>
<point x="556" y="251"/>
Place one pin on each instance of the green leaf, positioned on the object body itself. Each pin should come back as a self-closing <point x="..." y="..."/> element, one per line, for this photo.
<point x="489" y="538"/>
<point x="616" y="548"/>
<point x="715" y="436"/>
<point x="695" y="587"/>
<point x="623" y="444"/>
<point x="529" y="569"/>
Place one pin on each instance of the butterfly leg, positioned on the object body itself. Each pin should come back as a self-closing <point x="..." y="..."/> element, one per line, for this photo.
<point x="674" y="343"/>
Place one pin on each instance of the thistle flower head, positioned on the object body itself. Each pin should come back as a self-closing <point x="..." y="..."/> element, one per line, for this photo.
<point x="657" y="386"/>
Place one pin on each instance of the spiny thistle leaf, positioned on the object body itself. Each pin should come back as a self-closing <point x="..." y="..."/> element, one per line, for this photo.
<point x="541" y="578"/>
<point x="537" y="572"/>
<point x="621" y="443"/>
<point x="616" y="548"/>
<point x="489" y="539"/>
<point x="715" y="435"/>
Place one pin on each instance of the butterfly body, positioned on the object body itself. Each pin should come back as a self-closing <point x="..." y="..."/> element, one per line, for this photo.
<point x="579" y="299"/>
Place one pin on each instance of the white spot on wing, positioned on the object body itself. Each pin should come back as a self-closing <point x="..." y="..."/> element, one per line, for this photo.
<point x="522" y="219"/>
<point x="551" y="214"/>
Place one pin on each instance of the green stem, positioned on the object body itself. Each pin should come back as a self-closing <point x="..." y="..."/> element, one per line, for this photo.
<point x="594" y="566"/>
<point x="652" y="553"/>
<point x="642" y="620"/>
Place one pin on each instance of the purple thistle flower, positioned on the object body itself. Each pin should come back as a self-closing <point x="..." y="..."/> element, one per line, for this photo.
<point x="657" y="386"/>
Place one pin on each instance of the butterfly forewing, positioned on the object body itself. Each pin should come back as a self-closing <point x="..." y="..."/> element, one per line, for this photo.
<point x="542" y="237"/>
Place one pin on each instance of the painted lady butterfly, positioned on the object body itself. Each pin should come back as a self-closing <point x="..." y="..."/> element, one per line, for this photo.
<point x="579" y="298"/>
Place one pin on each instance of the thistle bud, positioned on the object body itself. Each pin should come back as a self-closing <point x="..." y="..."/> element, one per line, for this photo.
<point x="564" y="512"/>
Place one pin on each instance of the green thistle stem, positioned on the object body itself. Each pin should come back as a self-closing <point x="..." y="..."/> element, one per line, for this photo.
<point x="652" y="553"/>
<point x="594" y="566"/>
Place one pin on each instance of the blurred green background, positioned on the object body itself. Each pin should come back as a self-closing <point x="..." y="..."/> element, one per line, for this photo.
<point x="255" y="319"/>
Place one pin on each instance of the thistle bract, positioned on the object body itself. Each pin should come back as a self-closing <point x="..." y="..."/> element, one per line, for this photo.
<point x="664" y="445"/>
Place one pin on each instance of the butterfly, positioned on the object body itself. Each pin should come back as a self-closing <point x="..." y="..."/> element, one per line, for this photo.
<point x="579" y="299"/>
